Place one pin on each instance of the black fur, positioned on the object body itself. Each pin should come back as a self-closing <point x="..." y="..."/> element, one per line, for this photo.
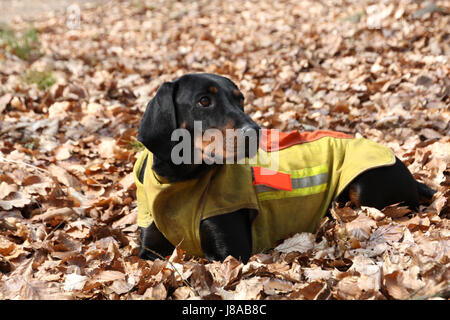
<point x="176" y="105"/>
<point x="384" y="186"/>
<point x="226" y="232"/>
<point x="158" y="122"/>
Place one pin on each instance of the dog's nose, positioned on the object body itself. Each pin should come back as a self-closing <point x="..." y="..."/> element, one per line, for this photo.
<point x="250" y="130"/>
<point x="251" y="135"/>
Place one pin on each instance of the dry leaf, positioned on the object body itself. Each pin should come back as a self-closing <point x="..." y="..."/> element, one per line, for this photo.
<point x="64" y="177"/>
<point x="394" y="285"/>
<point x="157" y="292"/>
<point x="395" y="211"/>
<point x="106" y="148"/>
<point x="74" y="282"/>
<point x="6" y="246"/>
<point x="314" y="274"/>
<point x="312" y="290"/>
<point x="277" y="286"/>
<point x="301" y="242"/>
<point x="387" y="234"/>
<point x="58" y="214"/>
<point x="15" y="200"/>
<point x="360" y="228"/>
<point x="6" y="189"/>
<point x="249" y="289"/>
<point x="108" y="275"/>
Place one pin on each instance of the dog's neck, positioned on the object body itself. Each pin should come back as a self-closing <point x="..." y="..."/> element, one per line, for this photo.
<point x="180" y="172"/>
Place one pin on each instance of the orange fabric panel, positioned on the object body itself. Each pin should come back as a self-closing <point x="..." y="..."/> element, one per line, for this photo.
<point x="288" y="139"/>
<point x="271" y="178"/>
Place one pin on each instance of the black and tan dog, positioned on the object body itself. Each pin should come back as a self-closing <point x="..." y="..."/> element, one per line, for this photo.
<point x="218" y="210"/>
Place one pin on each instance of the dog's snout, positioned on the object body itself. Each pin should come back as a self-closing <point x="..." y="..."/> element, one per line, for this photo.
<point x="251" y="132"/>
<point x="247" y="129"/>
<point x="251" y="138"/>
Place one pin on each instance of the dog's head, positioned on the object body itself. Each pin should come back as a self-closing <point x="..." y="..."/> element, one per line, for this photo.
<point x="192" y="101"/>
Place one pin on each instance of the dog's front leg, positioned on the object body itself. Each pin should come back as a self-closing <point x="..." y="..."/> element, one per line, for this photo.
<point x="153" y="240"/>
<point x="227" y="234"/>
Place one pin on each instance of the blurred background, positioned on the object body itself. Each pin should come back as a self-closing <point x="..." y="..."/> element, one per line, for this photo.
<point x="341" y="58"/>
<point x="30" y="10"/>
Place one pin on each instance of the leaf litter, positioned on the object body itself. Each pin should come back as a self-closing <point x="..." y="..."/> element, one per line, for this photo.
<point x="67" y="198"/>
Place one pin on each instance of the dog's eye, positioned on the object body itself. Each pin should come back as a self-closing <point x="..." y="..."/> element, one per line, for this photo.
<point x="204" y="101"/>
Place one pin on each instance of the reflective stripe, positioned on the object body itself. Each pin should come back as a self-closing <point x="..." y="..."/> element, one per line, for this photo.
<point x="307" y="172"/>
<point x="309" y="181"/>
<point x="298" y="183"/>
<point x="304" y="182"/>
<point x="294" y="193"/>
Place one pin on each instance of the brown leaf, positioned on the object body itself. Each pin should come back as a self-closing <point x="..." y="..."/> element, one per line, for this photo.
<point x="6" y="189"/>
<point x="63" y="152"/>
<point x="417" y="223"/>
<point x="345" y="214"/>
<point x="230" y="270"/>
<point x="157" y="292"/>
<point x="395" y="287"/>
<point x="74" y="281"/>
<point x="317" y="273"/>
<point x="18" y="104"/>
<point x="4" y="100"/>
<point x="301" y="242"/>
<point x="182" y="293"/>
<point x="106" y="148"/>
<point x="201" y="280"/>
<point x="43" y="290"/>
<point x="374" y="213"/>
<point x="30" y="180"/>
<point x="396" y="211"/>
<point x="64" y="177"/>
<point x="15" y="200"/>
<point x="127" y="219"/>
<point x="360" y="228"/>
<point x="312" y="290"/>
<point x="5" y="265"/>
<point x="341" y="108"/>
<point x="273" y="286"/>
<point x="108" y="275"/>
<point x="127" y="182"/>
<point x="348" y="288"/>
<point x="6" y="246"/>
<point x="54" y="216"/>
<point x="249" y="289"/>
<point x="387" y="234"/>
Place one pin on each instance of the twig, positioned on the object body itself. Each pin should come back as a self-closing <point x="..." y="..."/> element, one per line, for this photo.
<point x="55" y="180"/>
<point x="172" y="265"/>
<point x="53" y="230"/>
<point x="444" y="293"/>
<point x="26" y="164"/>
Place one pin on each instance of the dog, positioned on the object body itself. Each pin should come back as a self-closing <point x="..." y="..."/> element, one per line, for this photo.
<point x="211" y="210"/>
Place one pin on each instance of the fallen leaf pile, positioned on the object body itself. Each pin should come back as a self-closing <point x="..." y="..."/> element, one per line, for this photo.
<point x="373" y="69"/>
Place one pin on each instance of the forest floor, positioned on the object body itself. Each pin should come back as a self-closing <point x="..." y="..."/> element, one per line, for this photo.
<point x="74" y="85"/>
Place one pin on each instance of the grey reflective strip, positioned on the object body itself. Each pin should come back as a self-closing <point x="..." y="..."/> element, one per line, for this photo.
<point x="298" y="183"/>
<point x="309" y="181"/>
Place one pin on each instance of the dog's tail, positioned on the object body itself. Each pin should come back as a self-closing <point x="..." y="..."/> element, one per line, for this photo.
<point x="425" y="192"/>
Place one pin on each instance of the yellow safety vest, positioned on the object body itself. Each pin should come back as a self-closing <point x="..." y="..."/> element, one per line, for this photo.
<point x="319" y="167"/>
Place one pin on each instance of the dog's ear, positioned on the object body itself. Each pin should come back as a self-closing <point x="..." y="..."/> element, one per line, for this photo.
<point x="159" y="121"/>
